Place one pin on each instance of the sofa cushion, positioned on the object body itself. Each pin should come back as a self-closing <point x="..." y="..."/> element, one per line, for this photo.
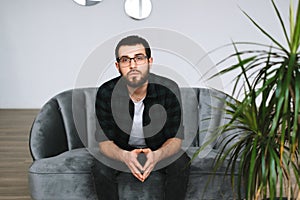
<point x="74" y="161"/>
<point x="66" y="176"/>
<point x="204" y="165"/>
<point x="206" y="187"/>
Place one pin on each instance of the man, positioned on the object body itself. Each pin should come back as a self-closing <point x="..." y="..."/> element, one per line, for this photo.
<point x="140" y="114"/>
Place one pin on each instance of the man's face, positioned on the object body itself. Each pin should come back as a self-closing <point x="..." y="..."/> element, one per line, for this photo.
<point x="136" y="74"/>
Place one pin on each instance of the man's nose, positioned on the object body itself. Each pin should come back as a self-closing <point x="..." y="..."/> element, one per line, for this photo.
<point x="132" y="63"/>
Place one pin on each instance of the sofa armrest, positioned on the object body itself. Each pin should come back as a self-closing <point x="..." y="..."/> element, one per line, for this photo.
<point x="48" y="135"/>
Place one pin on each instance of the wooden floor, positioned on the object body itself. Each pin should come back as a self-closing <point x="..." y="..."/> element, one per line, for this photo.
<point x="14" y="153"/>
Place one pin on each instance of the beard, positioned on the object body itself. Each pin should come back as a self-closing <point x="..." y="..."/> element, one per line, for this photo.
<point x="136" y="81"/>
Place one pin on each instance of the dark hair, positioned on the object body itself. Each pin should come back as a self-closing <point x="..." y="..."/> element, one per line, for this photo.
<point x="131" y="41"/>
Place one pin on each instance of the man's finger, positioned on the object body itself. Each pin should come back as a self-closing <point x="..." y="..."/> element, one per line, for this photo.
<point x="146" y="166"/>
<point x="147" y="150"/>
<point x="136" y="172"/>
<point x="137" y="150"/>
<point x="138" y="165"/>
<point x="139" y="176"/>
<point x="146" y="174"/>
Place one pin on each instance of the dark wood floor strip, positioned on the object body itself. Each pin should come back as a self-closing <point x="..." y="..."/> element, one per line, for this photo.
<point x="15" y="157"/>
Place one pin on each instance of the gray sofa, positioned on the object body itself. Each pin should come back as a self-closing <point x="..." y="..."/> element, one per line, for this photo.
<point x="63" y="148"/>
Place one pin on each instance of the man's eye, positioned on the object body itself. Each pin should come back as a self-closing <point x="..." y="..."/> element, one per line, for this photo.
<point x="139" y="58"/>
<point x="124" y="59"/>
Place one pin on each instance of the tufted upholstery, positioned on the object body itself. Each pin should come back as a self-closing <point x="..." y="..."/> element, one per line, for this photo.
<point x="63" y="145"/>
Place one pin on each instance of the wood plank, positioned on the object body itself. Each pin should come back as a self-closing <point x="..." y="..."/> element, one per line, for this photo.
<point x="15" y="158"/>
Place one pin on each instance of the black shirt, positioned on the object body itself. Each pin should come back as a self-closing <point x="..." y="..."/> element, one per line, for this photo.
<point x="162" y="116"/>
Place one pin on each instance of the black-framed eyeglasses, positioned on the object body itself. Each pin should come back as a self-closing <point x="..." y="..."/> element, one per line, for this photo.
<point x="139" y="59"/>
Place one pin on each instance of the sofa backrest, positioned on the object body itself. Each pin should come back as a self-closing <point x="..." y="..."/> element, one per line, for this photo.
<point x="64" y="123"/>
<point x="68" y="120"/>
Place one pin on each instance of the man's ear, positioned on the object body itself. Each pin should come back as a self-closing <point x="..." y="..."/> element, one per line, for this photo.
<point x="117" y="66"/>
<point x="150" y="60"/>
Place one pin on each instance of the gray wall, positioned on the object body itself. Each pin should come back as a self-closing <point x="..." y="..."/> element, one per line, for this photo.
<point x="47" y="46"/>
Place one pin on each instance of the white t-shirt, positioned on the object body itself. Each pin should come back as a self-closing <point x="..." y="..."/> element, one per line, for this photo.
<point x="137" y="138"/>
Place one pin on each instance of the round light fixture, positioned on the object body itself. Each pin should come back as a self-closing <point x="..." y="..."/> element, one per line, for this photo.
<point x="138" y="9"/>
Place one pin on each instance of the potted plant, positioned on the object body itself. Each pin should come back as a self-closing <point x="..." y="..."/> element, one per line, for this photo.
<point x="266" y="154"/>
